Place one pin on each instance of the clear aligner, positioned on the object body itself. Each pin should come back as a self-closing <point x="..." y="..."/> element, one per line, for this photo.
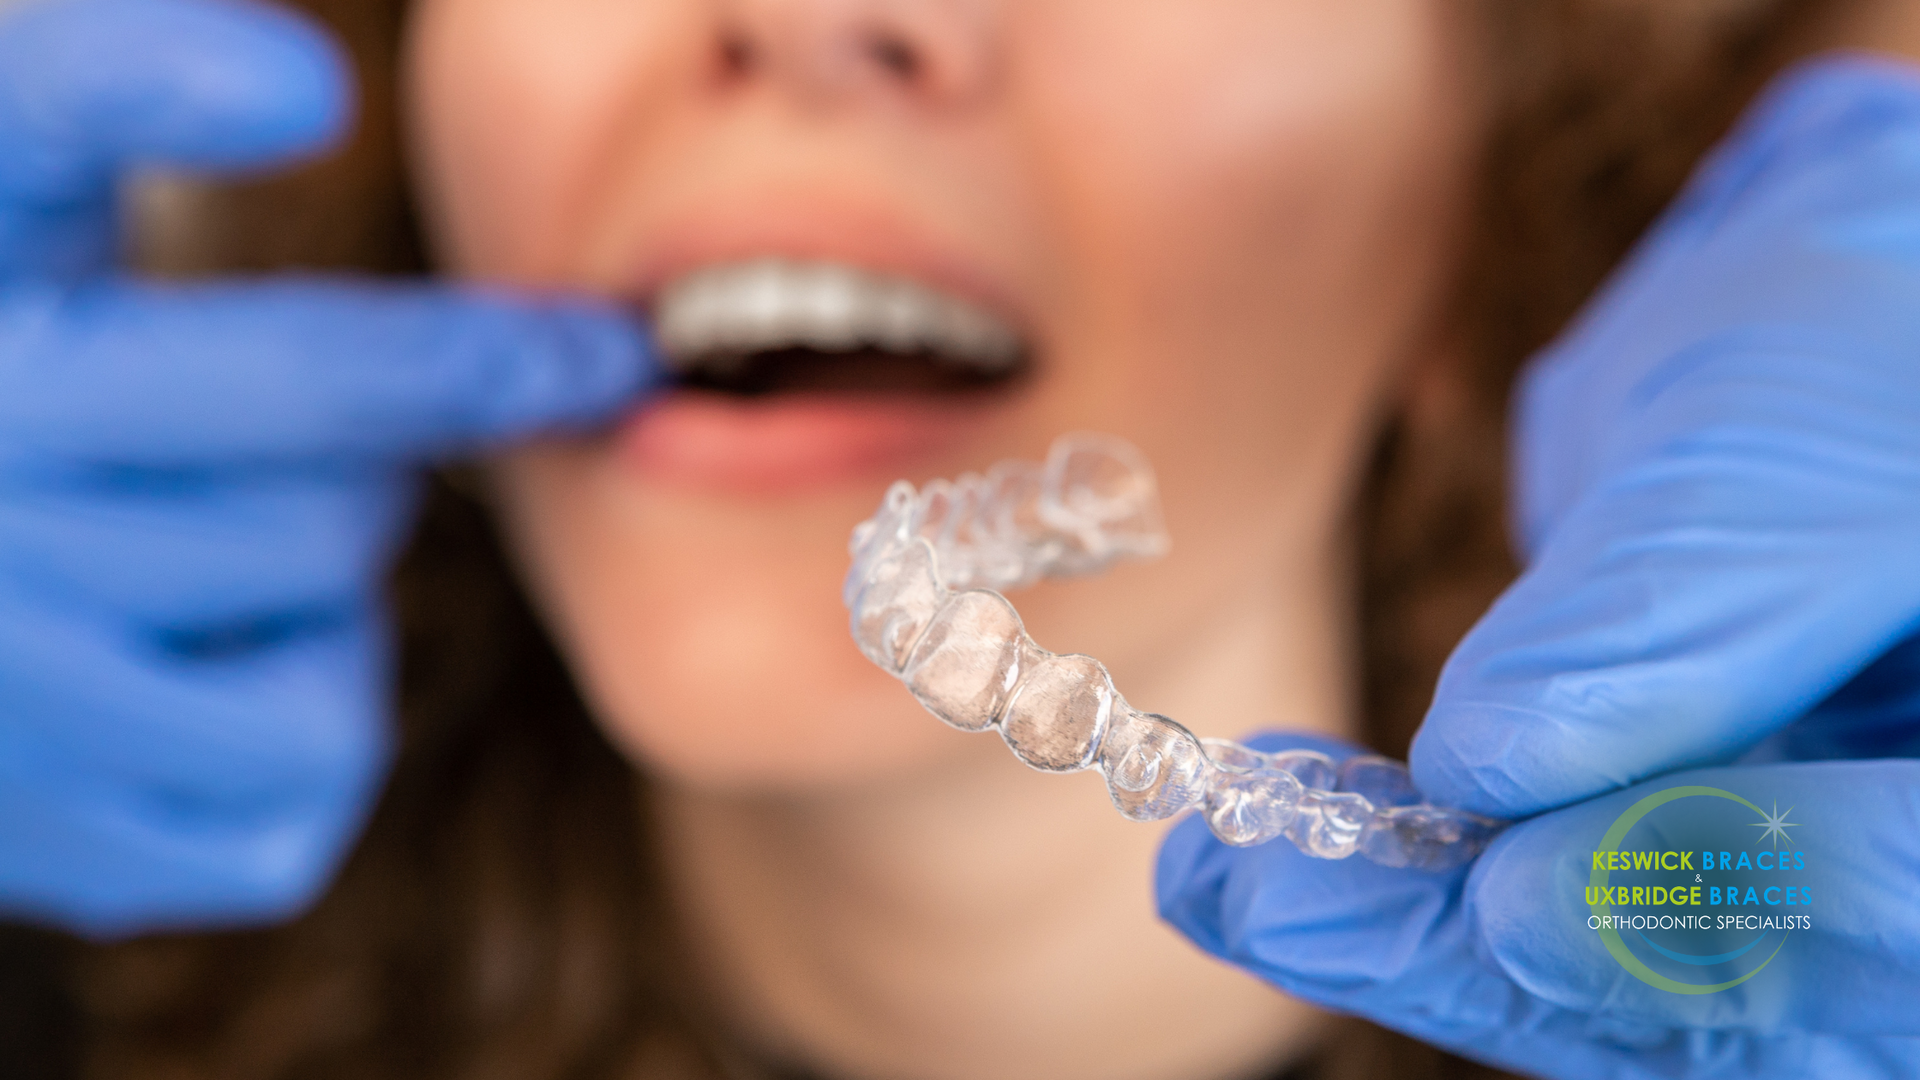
<point x="922" y="593"/>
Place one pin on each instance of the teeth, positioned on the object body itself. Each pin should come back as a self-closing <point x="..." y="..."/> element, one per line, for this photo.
<point x="718" y="314"/>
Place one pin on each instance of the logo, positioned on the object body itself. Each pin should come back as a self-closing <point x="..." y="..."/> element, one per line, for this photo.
<point x="1693" y="896"/>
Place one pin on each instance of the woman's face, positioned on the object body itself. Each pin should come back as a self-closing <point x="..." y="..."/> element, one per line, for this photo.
<point x="1218" y="228"/>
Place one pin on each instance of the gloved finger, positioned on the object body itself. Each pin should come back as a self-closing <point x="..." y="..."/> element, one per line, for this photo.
<point x="300" y="370"/>
<point x="206" y="565"/>
<point x="1740" y="545"/>
<point x="1403" y="949"/>
<point x="88" y="86"/>
<point x="1846" y="871"/>
<point x="271" y="716"/>
<point x="189" y="792"/>
<point x="1877" y="714"/>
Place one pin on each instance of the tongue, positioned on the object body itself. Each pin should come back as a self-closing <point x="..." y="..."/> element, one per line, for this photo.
<point x="867" y="370"/>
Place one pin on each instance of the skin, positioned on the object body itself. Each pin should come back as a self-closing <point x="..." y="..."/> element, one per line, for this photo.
<point x="1226" y="227"/>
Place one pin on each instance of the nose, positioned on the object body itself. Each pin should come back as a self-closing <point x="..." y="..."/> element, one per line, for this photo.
<point x="826" y="52"/>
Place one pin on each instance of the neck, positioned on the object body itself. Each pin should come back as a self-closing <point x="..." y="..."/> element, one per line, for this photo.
<point x="980" y="919"/>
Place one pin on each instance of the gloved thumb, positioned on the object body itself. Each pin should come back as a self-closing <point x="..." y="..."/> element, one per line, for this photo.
<point x="91" y="87"/>
<point x="88" y="85"/>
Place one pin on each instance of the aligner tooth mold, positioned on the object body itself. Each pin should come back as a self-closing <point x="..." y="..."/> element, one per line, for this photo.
<point x="925" y="601"/>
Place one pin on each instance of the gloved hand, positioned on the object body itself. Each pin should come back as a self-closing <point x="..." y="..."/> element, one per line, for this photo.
<point x="201" y="486"/>
<point x="1496" y="961"/>
<point x="1720" y="494"/>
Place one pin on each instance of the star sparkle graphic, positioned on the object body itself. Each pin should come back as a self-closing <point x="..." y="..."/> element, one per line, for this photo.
<point x="1776" y="825"/>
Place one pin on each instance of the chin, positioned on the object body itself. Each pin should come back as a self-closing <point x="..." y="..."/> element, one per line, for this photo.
<point x="705" y="627"/>
<point x="795" y="720"/>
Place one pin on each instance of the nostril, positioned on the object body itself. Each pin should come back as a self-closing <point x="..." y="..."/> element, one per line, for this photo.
<point x="895" y="55"/>
<point x="736" y="53"/>
<point x="934" y="53"/>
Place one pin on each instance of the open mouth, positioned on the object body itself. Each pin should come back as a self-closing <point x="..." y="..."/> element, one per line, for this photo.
<point x="771" y="325"/>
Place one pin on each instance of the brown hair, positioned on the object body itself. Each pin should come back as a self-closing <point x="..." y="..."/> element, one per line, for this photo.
<point x="501" y="917"/>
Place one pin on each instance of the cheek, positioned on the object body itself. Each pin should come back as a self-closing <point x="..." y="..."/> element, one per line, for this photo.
<point x="1284" y="176"/>
<point x="715" y="649"/>
<point x="510" y="103"/>
<point x="1261" y="209"/>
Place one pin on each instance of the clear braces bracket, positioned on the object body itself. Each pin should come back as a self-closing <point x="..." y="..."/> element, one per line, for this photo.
<point x="923" y="592"/>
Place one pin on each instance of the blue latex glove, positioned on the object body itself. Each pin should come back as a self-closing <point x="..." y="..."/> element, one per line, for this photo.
<point x="201" y="486"/>
<point x="1720" y="495"/>
<point x="1495" y="961"/>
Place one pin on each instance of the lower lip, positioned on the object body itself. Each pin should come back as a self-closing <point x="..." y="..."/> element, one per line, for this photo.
<point x="791" y="442"/>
